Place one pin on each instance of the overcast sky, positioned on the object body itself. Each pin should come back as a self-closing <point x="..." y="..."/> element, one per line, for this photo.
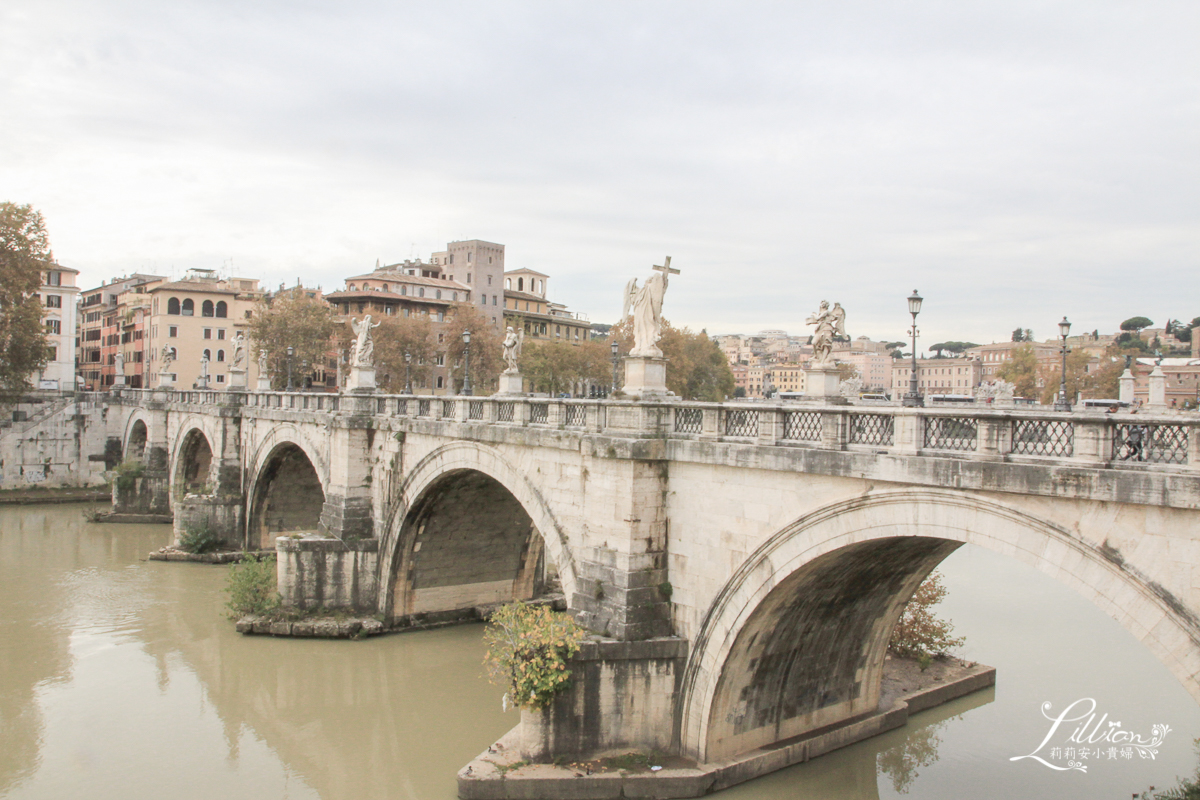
<point x="1014" y="161"/>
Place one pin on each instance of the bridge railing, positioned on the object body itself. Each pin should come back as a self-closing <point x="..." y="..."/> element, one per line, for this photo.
<point x="1122" y="440"/>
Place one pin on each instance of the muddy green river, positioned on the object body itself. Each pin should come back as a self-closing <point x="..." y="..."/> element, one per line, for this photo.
<point x="121" y="678"/>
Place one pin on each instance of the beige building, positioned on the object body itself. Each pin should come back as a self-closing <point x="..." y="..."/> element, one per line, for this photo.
<point x="526" y="307"/>
<point x="874" y="367"/>
<point x="199" y="317"/>
<point x="59" y="294"/>
<point x="478" y="265"/>
<point x="937" y="376"/>
<point x="993" y="356"/>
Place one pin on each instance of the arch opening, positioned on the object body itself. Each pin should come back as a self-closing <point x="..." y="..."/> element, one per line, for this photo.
<point x="729" y="701"/>
<point x="194" y="473"/>
<point x="135" y="448"/>
<point x="287" y="497"/>
<point x="467" y="542"/>
<point x="811" y="653"/>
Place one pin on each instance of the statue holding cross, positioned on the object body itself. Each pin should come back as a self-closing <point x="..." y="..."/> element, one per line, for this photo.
<point x="645" y="306"/>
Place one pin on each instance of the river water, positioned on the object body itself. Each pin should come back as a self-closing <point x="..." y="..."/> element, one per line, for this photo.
<point x="121" y="678"/>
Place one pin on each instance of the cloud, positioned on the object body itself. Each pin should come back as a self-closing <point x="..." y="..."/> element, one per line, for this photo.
<point x="1016" y="162"/>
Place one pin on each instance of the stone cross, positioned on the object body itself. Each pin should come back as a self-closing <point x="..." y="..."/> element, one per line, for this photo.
<point x="666" y="268"/>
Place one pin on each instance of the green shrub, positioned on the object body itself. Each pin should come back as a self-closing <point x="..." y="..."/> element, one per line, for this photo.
<point x="125" y="474"/>
<point x="199" y="539"/>
<point x="527" y="652"/>
<point x="919" y="633"/>
<point x="252" y="587"/>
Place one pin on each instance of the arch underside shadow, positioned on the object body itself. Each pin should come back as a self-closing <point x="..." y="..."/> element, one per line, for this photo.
<point x="286" y="496"/>
<point x="797" y="638"/>
<point x="135" y="443"/>
<point x="524" y="535"/>
<point x="193" y="473"/>
<point x="466" y="542"/>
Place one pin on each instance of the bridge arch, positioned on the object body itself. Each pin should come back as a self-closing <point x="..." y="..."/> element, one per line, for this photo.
<point x="193" y="463"/>
<point x="747" y="684"/>
<point x="470" y="483"/>
<point x="137" y="435"/>
<point x="287" y="494"/>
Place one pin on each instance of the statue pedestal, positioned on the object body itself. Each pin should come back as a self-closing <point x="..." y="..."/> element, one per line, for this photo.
<point x="362" y="379"/>
<point x="645" y="377"/>
<point x="1127" y="382"/>
<point x="263" y="385"/>
<point x="166" y="380"/>
<point x="511" y="383"/>
<point x="119" y="381"/>
<point x="822" y="382"/>
<point x="237" y="380"/>
<point x="1158" y="389"/>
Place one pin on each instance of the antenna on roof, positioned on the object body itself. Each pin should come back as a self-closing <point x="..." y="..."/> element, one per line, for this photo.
<point x="377" y="263"/>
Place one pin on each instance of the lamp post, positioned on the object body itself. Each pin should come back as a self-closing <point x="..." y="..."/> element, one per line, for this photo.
<point x="291" y="352"/>
<point x="1064" y="329"/>
<point x="466" y="387"/>
<point x="913" y="398"/>
<point x="407" y="374"/>
<point x="615" y="353"/>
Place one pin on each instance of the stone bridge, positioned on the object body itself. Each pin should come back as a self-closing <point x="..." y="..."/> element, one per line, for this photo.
<point x="744" y="563"/>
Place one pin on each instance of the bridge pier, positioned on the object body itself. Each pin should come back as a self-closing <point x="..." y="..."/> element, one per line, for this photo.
<point x="149" y="492"/>
<point x="623" y="590"/>
<point x="207" y="483"/>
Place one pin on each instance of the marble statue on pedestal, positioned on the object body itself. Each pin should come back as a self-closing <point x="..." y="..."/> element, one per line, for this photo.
<point x="512" y="350"/>
<point x="644" y="304"/>
<point x="363" y="352"/>
<point x="830" y="322"/>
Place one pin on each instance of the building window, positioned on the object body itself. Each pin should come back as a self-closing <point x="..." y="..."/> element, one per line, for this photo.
<point x="452" y="258"/>
<point x="468" y="277"/>
<point x="222" y="309"/>
<point x="172" y="331"/>
<point x="208" y="355"/>
<point x="173" y="305"/>
<point x="440" y="382"/>
<point x="208" y="333"/>
<point x="54" y="301"/>
<point x="352" y="287"/>
<point x="454" y="296"/>
<point x="468" y="258"/>
<point x="390" y="310"/>
<point x="207" y="309"/>
<point x="441" y="317"/>
<point x="220" y="378"/>
<point x="53" y="326"/>
<point x="220" y="333"/>
<point x="220" y="355"/>
<point x="438" y="294"/>
<point x="489" y="280"/>
<point x="189" y="308"/>
<point x="54" y="279"/>
<point x="520" y="284"/>
<point x="385" y="287"/>
<point x="53" y="351"/>
<point x="421" y="291"/>
<point x="404" y="291"/>
<point x="408" y="312"/>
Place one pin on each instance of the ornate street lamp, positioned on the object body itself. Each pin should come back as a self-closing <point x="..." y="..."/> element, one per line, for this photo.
<point x="1064" y="329"/>
<point x="407" y="374"/>
<point x="291" y="352"/>
<point x="615" y="353"/>
<point x="913" y="398"/>
<point x="466" y="387"/>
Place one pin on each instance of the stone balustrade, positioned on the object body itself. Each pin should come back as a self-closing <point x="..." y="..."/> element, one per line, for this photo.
<point x="1084" y="437"/>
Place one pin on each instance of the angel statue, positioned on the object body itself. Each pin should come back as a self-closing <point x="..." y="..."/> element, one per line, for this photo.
<point x="262" y="363"/>
<point x="645" y="306"/>
<point x="239" y="351"/>
<point x="830" y="322"/>
<point x="512" y="350"/>
<point x="363" y="352"/>
<point x="166" y="357"/>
